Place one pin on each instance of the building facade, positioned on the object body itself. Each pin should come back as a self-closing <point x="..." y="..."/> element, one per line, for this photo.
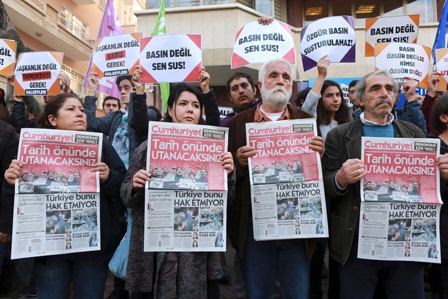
<point x="69" y="26"/>
<point x="219" y="21"/>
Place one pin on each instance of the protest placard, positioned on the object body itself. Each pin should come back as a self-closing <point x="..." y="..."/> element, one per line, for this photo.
<point x="404" y="60"/>
<point x="442" y="69"/>
<point x="333" y="36"/>
<point x="37" y="73"/>
<point x="288" y="199"/>
<point x="401" y="201"/>
<point x="186" y="198"/>
<point x="258" y="43"/>
<point x="7" y="56"/>
<point x="116" y="55"/>
<point x="401" y="29"/>
<point x="57" y="200"/>
<point x="171" y="58"/>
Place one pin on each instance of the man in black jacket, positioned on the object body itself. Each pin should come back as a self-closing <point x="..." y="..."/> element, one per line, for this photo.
<point x="344" y="169"/>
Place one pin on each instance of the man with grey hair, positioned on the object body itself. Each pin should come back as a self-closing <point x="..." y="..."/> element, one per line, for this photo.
<point x="344" y="169"/>
<point x="259" y="258"/>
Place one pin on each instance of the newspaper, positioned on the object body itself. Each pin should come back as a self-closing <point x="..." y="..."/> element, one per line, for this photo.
<point x="57" y="199"/>
<point x="186" y="198"/>
<point x="287" y="190"/>
<point x="400" y="209"/>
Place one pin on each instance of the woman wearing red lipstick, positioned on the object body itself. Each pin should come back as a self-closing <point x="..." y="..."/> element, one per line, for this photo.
<point x="87" y="271"/>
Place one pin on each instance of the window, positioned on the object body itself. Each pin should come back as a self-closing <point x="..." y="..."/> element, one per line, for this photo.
<point x="315" y="10"/>
<point x="425" y="8"/>
<point x="128" y="12"/>
<point x="153" y="4"/>
<point x="366" y="9"/>
<point x="74" y="24"/>
<point x="264" y="6"/>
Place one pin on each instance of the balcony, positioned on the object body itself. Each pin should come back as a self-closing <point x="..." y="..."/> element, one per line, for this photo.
<point x="64" y="23"/>
<point x="43" y="23"/>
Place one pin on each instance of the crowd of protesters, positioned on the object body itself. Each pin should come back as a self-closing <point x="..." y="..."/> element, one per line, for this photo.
<point x="286" y="268"/>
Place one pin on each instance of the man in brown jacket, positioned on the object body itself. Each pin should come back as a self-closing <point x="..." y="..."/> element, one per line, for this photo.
<point x="259" y="258"/>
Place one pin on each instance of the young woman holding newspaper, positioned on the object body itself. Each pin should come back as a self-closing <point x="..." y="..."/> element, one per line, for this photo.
<point x="88" y="271"/>
<point x="168" y="274"/>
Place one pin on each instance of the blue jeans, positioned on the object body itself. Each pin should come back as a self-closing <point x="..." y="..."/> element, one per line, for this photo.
<point x="360" y="277"/>
<point x="258" y="267"/>
<point x="54" y="275"/>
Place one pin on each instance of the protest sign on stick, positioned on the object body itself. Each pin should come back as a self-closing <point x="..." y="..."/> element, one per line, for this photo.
<point x="116" y="55"/>
<point x="258" y="43"/>
<point x="333" y="36"/>
<point x="404" y="60"/>
<point x="401" y="29"/>
<point x="7" y="56"/>
<point x="57" y="199"/>
<point x="171" y="58"/>
<point x="442" y="69"/>
<point x="37" y="73"/>
<point x="186" y="198"/>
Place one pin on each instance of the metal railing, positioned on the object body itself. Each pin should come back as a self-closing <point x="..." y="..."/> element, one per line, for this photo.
<point x="75" y="30"/>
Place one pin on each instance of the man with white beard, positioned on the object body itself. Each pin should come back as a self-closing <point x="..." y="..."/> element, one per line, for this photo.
<point x="259" y="258"/>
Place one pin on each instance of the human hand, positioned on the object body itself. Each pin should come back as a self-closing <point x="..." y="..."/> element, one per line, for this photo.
<point x="322" y="66"/>
<point x="4" y="238"/>
<point x="139" y="179"/>
<point x="409" y="87"/>
<point x="265" y="20"/>
<point x="103" y="171"/>
<point x="432" y="82"/>
<point x="137" y="80"/>
<point x="317" y="143"/>
<point x="13" y="172"/>
<point x="243" y="154"/>
<point x="204" y="80"/>
<point x="10" y="79"/>
<point x="351" y="172"/>
<point x="442" y="163"/>
<point x="227" y="162"/>
<point x="65" y="82"/>
<point x="92" y="83"/>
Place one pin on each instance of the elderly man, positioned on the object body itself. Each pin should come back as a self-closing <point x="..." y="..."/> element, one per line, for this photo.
<point x="260" y="258"/>
<point x="376" y="94"/>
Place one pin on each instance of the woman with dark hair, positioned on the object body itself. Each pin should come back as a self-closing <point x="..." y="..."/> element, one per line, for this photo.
<point x="87" y="271"/>
<point x="152" y="275"/>
<point x="325" y="101"/>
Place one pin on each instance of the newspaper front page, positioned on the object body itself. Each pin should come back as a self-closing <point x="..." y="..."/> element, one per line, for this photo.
<point x="288" y="199"/>
<point x="57" y="200"/>
<point x="400" y="208"/>
<point x="186" y="197"/>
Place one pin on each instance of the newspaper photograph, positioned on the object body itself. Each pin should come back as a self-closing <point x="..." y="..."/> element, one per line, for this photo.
<point x="399" y="232"/>
<point x="288" y="199"/>
<point x="401" y="170"/>
<point x="186" y="197"/>
<point x="57" y="202"/>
